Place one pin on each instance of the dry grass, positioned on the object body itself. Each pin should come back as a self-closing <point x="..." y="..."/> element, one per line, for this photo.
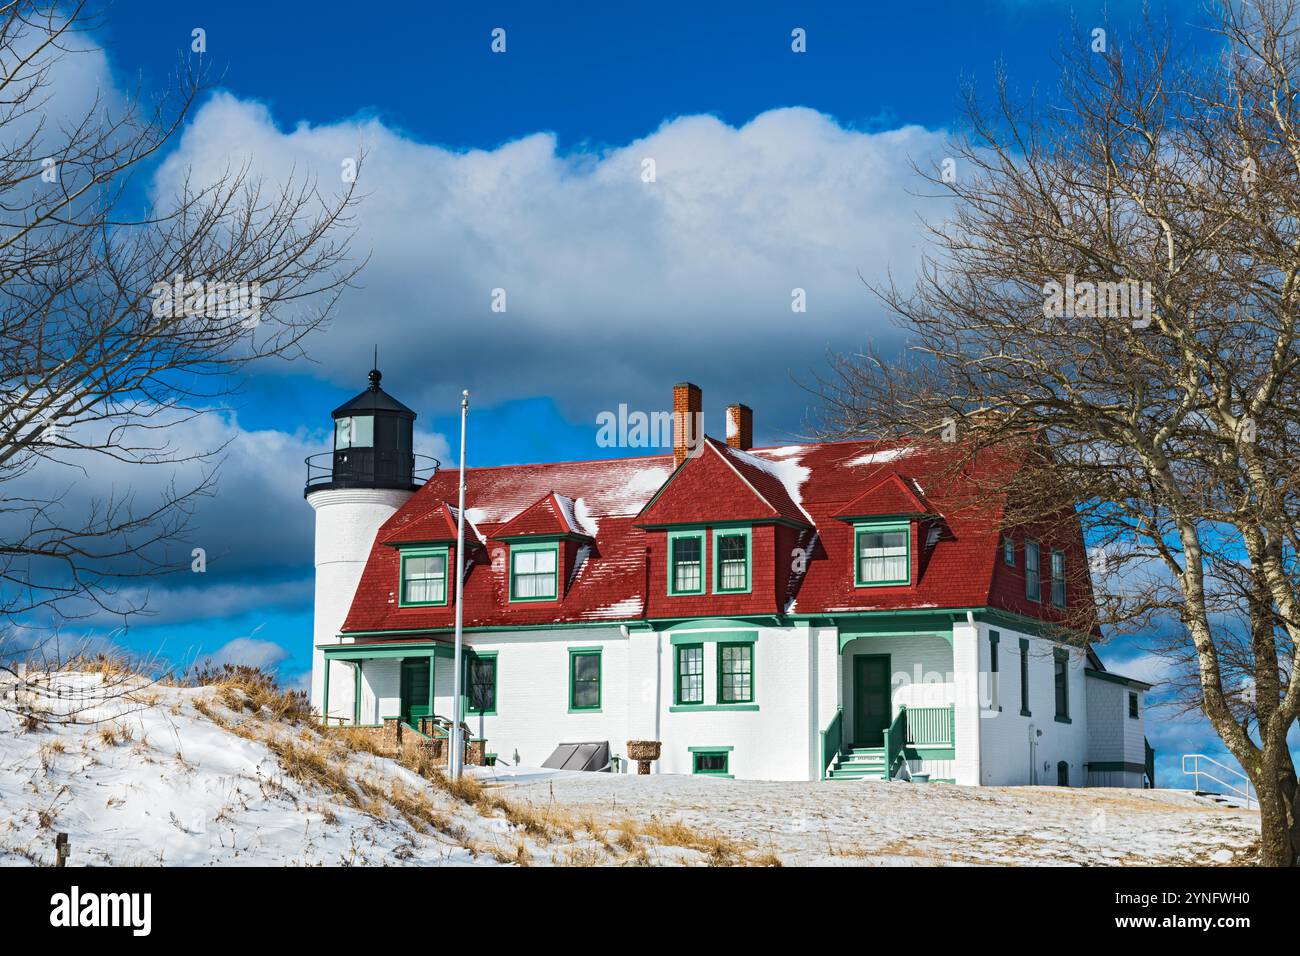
<point x="110" y="735"/>
<point x="241" y="688"/>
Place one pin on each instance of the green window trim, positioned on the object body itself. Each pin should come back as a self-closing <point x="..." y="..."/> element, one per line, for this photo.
<point x="1008" y="551"/>
<point x="694" y="658"/>
<point x="742" y="675"/>
<point x="881" y="527"/>
<point x="1033" y="571"/>
<point x="575" y="654"/>
<point x="718" y="563"/>
<point x="1024" y="678"/>
<point x="1061" y="684"/>
<point x="1133" y="710"/>
<point x="470" y="658"/>
<point x="408" y="554"/>
<point x="520" y="548"/>
<point x="711" y="761"/>
<point x="673" y="537"/>
<point x="709" y="708"/>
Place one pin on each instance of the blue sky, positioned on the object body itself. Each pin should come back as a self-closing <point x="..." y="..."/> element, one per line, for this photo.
<point x="788" y="166"/>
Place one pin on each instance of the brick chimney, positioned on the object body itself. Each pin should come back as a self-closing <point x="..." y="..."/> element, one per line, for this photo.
<point x="688" y="408"/>
<point x="740" y="427"/>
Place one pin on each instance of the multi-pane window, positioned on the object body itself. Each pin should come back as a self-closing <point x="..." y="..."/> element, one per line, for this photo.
<point x="710" y="761"/>
<point x="1132" y="704"/>
<point x="1058" y="578"/>
<point x="688" y="564"/>
<point x="1008" y="552"/>
<point x="584" y="680"/>
<point x="733" y="562"/>
<point x="690" y="674"/>
<point x="1061" y="676"/>
<point x="882" y="555"/>
<point x="358" y="431"/>
<point x="533" y="574"/>
<point x="1033" y="587"/>
<point x="1024" y="678"/>
<point x="424" y="578"/>
<point x="735" y="673"/>
<point x="482" y="681"/>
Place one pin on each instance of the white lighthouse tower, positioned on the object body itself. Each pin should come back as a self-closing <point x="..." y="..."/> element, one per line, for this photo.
<point x="370" y="474"/>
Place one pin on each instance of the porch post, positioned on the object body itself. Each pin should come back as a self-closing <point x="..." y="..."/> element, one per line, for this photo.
<point x="356" y="694"/>
<point x="325" y="695"/>
<point x="433" y="672"/>
<point x="966" y="708"/>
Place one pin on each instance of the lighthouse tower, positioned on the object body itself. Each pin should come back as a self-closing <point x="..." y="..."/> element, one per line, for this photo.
<point x="354" y="489"/>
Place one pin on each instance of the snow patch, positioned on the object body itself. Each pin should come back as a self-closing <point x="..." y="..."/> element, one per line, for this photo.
<point x="880" y="457"/>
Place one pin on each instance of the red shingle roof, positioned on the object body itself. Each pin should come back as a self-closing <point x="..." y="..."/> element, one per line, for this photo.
<point x="617" y="573"/>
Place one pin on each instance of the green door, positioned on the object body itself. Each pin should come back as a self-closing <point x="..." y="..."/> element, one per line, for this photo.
<point x="870" y="699"/>
<point x="415" y="689"/>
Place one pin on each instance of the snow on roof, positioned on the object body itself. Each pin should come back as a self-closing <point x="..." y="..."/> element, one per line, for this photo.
<point x="881" y="457"/>
<point x="786" y="470"/>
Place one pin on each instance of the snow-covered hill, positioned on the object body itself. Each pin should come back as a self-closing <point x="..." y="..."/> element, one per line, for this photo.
<point x="152" y="774"/>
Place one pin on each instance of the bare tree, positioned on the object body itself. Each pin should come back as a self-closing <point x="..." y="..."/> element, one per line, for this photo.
<point x="119" y="325"/>
<point x="1115" y="298"/>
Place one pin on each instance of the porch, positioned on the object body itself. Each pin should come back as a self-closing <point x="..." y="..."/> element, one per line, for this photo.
<point x="402" y="695"/>
<point x="896" y="710"/>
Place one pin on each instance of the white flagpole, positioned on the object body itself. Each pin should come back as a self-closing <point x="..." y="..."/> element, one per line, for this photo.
<point x="456" y="758"/>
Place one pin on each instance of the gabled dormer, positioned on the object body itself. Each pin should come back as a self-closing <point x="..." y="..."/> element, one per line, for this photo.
<point x="426" y="547"/>
<point x="894" y="531"/>
<point x="712" y="531"/>
<point x="546" y="542"/>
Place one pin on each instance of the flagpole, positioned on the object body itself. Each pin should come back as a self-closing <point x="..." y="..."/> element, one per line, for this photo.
<point x="457" y="756"/>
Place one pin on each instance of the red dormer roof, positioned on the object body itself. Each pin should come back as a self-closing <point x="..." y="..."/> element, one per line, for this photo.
<point x="796" y="497"/>
<point x="436" y="526"/>
<point x="550" y="515"/>
<point x="721" y="483"/>
<point x="892" y="496"/>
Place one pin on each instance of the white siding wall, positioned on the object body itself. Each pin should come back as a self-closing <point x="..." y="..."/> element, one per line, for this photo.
<point x="800" y="680"/>
<point x="533" y="692"/>
<point x="774" y="742"/>
<point x="380" y="690"/>
<point x="967" y="650"/>
<point x="1005" y="736"/>
<point x="1114" y="736"/>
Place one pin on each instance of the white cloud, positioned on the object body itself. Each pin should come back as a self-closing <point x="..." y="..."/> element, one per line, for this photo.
<point x="255" y="529"/>
<point x="249" y="651"/>
<point x="615" y="287"/>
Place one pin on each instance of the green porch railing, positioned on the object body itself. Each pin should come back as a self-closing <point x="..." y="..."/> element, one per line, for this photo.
<point x="832" y="740"/>
<point x="895" y="741"/>
<point x="930" y="725"/>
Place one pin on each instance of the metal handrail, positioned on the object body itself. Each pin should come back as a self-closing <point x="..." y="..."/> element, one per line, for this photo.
<point x="320" y="468"/>
<point x="1196" y="771"/>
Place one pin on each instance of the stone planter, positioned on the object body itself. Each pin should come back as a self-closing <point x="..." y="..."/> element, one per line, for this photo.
<point x="643" y="751"/>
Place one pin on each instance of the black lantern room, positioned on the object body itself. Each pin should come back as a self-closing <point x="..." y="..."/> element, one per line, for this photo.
<point x="372" y="445"/>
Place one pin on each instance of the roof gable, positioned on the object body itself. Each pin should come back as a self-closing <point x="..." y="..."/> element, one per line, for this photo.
<point x="722" y="484"/>
<point x="437" y="525"/>
<point x="891" y="496"/>
<point x="551" y="515"/>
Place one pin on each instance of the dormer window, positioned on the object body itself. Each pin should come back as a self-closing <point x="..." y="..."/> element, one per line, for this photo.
<point x="355" y="431"/>
<point x="686" y="562"/>
<point x="534" y="571"/>
<point x="424" y="577"/>
<point x="731" y="558"/>
<point x="883" y="554"/>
